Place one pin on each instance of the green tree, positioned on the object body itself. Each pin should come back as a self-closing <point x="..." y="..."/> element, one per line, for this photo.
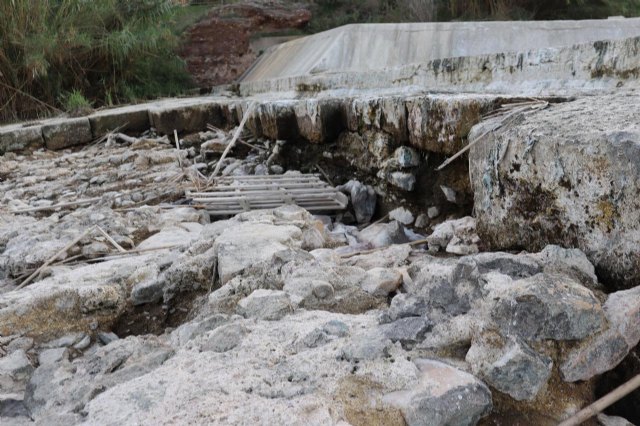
<point x="107" y="51"/>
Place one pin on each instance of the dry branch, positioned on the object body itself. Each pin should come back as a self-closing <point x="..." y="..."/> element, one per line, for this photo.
<point x="598" y="406"/>
<point x="503" y="121"/>
<point x="55" y="256"/>
<point x="233" y="141"/>
<point x="111" y="240"/>
<point x="59" y="205"/>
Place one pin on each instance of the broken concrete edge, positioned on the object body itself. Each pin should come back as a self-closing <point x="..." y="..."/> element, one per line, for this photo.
<point x="401" y="114"/>
<point x="587" y="68"/>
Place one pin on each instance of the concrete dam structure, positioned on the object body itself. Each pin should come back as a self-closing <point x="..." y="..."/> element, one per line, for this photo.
<point x="458" y="56"/>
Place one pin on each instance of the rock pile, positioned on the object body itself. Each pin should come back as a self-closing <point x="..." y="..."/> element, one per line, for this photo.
<point x="281" y="317"/>
<point x="288" y="328"/>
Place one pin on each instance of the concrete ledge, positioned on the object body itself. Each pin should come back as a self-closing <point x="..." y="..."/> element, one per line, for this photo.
<point x="21" y="137"/>
<point x="133" y="118"/>
<point x="185" y="115"/>
<point x="67" y="132"/>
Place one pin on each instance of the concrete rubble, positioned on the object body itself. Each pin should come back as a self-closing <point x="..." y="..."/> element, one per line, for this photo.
<point x="123" y="301"/>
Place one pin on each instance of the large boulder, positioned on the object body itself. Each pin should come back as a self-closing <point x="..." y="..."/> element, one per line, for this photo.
<point x="568" y="175"/>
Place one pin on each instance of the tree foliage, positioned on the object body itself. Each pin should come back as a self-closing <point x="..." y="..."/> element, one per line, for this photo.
<point x="331" y="13"/>
<point x="109" y="51"/>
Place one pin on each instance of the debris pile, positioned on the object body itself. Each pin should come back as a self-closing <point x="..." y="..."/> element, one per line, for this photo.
<point x="222" y="276"/>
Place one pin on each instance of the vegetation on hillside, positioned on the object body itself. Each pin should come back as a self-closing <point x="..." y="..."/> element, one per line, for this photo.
<point x="332" y="13"/>
<point x="57" y="53"/>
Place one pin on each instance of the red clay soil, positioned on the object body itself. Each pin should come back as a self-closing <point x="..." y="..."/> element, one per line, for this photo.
<point x="218" y="49"/>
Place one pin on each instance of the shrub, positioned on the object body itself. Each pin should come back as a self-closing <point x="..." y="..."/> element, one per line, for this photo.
<point x="111" y="51"/>
<point x="75" y="102"/>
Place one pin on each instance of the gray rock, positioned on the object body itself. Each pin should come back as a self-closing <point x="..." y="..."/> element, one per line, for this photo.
<point x="422" y="221"/>
<point x="594" y="356"/>
<point x="406" y="157"/>
<point x="51" y="356"/>
<point x="83" y="343"/>
<point x="383" y="234"/>
<point x="568" y="261"/>
<point x="276" y="169"/>
<point x="65" y="341"/>
<point x="62" y="387"/>
<point x="438" y="282"/>
<point x="536" y="183"/>
<point x="189" y="331"/>
<point x="225" y="338"/>
<point x="408" y="331"/>
<point x="453" y="335"/>
<point x="444" y="395"/>
<point x="336" y="328"/>
<point x="15" y="370"/>
<point x="326" y="286"/>
<point x="404" y="305"/>
<point x="401" y="215"/>
<point x="363" y="199"/>
<point x="403" y="180"/>
<point x="455" y="236"/>
<point x="18" y="137"/>
<point x="366" y="347"/>
<point x="315" y="338"/>
<point x="449" y="194"/>
<point x="514" y="266"/>
<point x="547" y="306"/>
<point x="14" y="409"/>
<point x="440" y="237"/>
<point x="433" y="212"/>
<point x="605" y="420"/>
<point x="509" y="365"/>
<point x="147" y="292"/>
<point x="326" y="333"/>
<point x="606" y="350"/>
<point x="381" y="281"/>
<point x="249" y="243"/>
<point x="622" y="309"/>
<point x="24" y="343"/>
<point x="459" y="247"/>
<point x="265" y="305"/>
<point x="107" y="337"/>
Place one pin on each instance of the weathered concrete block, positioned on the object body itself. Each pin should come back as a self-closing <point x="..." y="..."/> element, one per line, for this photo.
<point x="19" y="137"/>
<point x="276" y="120"/>
<point x="320" y="120"/>
<point x="191" y="115"/>
<point x="567" y="175"/>
<point x="440" y="123"/>
<point x="379" y="113"/>
<point x="133" y="118"/>
<point x="66" y="132"/>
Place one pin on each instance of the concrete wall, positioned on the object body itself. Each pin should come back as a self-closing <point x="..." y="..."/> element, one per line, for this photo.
<point x="370" y="47"/>
<point x="524" y="58"/>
